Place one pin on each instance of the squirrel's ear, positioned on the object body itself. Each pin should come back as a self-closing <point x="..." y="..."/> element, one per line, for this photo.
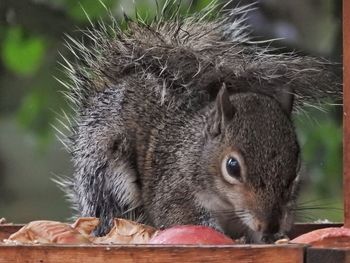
<point x="223" y="112"/>
<point x="286" y="99"/>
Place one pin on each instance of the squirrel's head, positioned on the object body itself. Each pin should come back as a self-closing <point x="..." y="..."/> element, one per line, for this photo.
<point x="253" y="157"/>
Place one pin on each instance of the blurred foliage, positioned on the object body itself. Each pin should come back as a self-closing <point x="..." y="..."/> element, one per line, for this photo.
<point x="322" y="149"/>
<point x="32" y="37"/>
<point x="35" y="116"/>
<point x="320" y="138"/>
<point x="83" y="10"/>
<point x="22" y="53"/>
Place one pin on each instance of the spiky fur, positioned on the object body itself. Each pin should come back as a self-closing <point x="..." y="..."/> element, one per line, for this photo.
<point x="145" y="96"/>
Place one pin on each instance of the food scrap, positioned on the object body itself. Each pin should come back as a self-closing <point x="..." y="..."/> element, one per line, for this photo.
<point x="80" y="233"/>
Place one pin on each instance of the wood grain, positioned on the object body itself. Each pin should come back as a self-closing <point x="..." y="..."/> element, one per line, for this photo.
<point x="346" y="116"/>
<point x="154" y="254"/>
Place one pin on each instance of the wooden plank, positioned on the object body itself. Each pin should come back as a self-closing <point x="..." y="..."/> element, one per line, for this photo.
<point x="148" y="253"/>
<point x="346" y="116"/>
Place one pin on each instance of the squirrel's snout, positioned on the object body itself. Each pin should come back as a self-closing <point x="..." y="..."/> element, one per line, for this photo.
<point x="269" y="230"/>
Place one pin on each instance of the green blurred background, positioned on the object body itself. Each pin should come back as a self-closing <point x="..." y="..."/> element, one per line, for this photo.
<point x="32" y="34"/>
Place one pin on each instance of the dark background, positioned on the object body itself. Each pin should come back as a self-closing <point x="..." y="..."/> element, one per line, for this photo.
<point x="32" y="37"/>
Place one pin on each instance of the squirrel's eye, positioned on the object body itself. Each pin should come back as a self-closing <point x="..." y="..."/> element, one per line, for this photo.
<point x="233" y="168"/>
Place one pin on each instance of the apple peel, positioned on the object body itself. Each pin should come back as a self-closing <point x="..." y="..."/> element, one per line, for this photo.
<point x="335" y="237"/>
<point x="191" y="234"/>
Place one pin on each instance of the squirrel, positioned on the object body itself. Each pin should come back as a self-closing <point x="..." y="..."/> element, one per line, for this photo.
<point x="186" y="120"/>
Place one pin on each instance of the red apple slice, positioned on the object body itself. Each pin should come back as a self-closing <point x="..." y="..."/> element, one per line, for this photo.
<point x="190" y="234"/>
<point x="326" y="237"/>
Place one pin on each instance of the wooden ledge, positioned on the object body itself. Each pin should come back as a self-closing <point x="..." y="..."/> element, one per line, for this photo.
<point x="161" y="253"/>
<point x="152" y="253"/>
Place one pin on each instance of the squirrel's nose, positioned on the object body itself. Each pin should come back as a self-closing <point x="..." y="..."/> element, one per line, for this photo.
<point x="270" y="231"/>
<point x="272" y="227"/>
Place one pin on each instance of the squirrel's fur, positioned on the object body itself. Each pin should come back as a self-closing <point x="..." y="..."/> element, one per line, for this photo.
<point x="154" y="116"/>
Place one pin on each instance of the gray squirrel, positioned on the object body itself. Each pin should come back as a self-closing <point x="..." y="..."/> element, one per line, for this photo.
<point x="187" y="121"/>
